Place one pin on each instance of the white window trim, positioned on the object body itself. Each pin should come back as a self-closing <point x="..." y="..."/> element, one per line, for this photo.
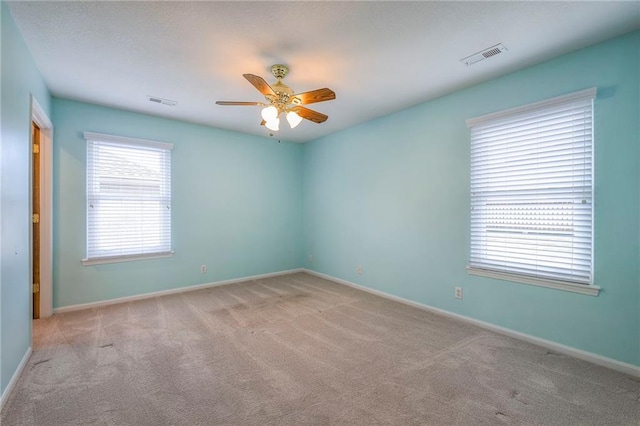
<point x="131" y="258"/>
<point x="123" y="139"/>
<point x="586" y="289"/>
<point x="590" y="290"/>
<point x="583" y="94"/>
<point x="141" y="142"/>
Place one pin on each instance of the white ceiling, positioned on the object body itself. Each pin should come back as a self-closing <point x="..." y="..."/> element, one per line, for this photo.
<point x="379" y="57"/>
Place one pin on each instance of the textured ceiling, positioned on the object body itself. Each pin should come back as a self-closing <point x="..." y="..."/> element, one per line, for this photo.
<point x="379" y="57"/>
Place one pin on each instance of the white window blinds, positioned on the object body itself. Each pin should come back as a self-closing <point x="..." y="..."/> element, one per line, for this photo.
<point x="531" y="190"/>
<point x="128" y="197"/>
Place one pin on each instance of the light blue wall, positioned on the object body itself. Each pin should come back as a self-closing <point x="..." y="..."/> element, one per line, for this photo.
<point x="392" y="195"/>
<point x="236" y="205"/>
<point x="20" y="79"/>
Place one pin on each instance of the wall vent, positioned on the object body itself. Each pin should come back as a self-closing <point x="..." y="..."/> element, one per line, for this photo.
<point x="161" y="101"/>
<point x="484" y="54"/>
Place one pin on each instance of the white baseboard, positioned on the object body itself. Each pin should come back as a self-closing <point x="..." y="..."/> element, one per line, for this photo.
<point x="14" y="378"/>
<point x="81" y="306"/>
<point x="613" y="364"/>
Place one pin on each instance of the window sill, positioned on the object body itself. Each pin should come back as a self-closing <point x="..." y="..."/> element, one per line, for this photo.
<point x="590" y="290"/>
<point x="131" y="258"/>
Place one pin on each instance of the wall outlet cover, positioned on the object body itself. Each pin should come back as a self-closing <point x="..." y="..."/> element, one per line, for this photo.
<point x="457" y="292"/>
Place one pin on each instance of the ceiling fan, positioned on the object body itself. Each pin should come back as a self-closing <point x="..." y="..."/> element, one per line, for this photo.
<point x="281" y="99"/>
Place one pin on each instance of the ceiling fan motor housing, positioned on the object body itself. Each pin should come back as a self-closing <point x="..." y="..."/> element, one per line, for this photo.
<point x="279" y="70"/>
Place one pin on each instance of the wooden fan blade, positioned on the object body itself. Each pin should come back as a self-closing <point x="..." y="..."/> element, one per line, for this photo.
<point x="259" y="83"/>
<point x="239" y="103"/>
<point x="314" y="96"/>
<point x="310" y="114"/>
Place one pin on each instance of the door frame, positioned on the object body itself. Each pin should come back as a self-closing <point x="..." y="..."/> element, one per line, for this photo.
<point x="41" y="119"/>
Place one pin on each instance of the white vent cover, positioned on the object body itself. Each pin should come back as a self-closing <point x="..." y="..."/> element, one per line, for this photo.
<point x="484" y="54"/>
<point x="161" y="101"/>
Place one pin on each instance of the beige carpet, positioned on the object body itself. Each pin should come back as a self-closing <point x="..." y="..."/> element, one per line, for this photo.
<point x="296" y="350"/>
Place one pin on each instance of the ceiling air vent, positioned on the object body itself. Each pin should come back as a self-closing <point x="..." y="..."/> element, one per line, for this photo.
<point x="162" y="101"/>
<point x="484" y="54"/>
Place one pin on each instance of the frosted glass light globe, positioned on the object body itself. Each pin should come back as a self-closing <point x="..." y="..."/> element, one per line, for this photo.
<point x="269" y="113"/>
<point x="273" y="124"/>
<point x="293" y="119"/>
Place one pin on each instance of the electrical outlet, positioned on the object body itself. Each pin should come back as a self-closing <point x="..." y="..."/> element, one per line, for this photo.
<point x="203" y="269"/>
<point x="310" y="258"/>
<point x="457" y="292"/>
<point x="359" y="270"/>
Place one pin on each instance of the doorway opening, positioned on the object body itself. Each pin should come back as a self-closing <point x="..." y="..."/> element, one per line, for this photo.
<point x="35" y="218"/>
<point x="41" y="212"/>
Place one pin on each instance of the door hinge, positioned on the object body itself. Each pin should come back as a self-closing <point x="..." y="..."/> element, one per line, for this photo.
<point x="36" y="148"/>
<point x="35" y="218"/>
<point x="36" y="287"/>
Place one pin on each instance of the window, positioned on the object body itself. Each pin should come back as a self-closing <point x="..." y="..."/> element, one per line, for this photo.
<point x="532" y="193"/>
<point x="128" y="199"/>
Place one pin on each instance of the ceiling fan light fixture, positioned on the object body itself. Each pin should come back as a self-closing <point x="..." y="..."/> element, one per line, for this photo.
<point x="281" y="99"/>
<point x="273" y="124"/>
<point x="270" y="113"/>
<point x="293" y="119"/>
